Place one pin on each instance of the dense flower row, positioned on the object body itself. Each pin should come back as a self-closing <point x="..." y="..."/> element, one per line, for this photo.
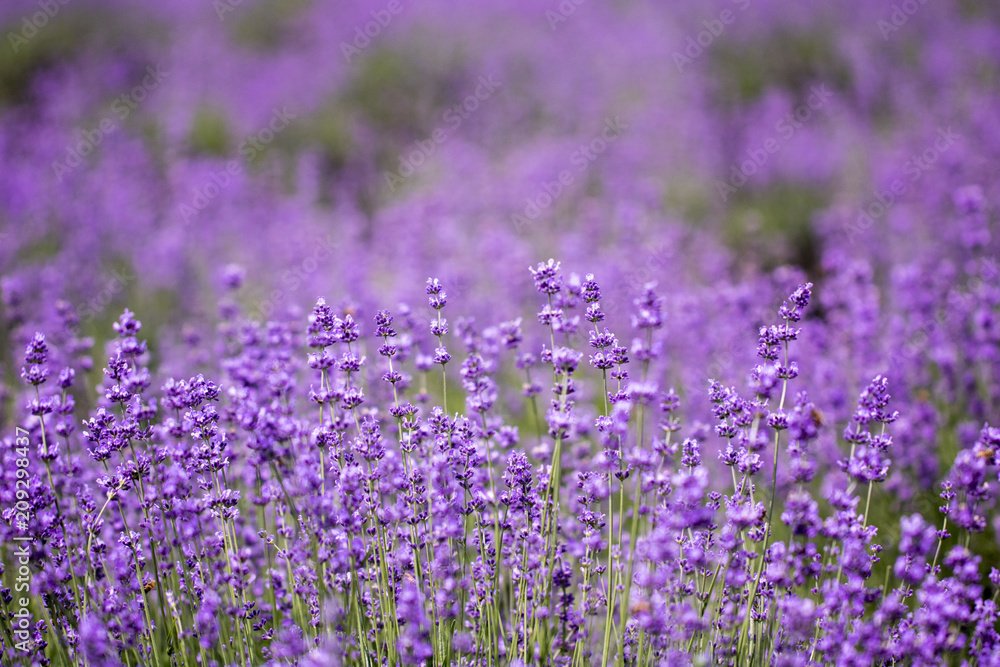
<point x="319" y="494"/>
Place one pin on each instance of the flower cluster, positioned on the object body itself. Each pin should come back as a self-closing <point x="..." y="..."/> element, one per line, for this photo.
<point x="228" y="521"/>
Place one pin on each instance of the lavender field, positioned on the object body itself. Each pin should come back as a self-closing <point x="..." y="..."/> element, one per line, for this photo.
<point x="499" y="333"/>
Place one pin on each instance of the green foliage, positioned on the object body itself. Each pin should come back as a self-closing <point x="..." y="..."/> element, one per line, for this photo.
<point x="773" y="224"/>
<point x="783" y="59"/>
<point x="209" y="134"/>
<point x="264" y="26"/>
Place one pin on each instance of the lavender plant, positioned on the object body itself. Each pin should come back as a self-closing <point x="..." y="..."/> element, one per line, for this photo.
<point x="236" y="517"/>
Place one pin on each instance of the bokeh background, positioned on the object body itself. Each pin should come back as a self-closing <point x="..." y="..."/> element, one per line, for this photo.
<point x="726" y="149"/>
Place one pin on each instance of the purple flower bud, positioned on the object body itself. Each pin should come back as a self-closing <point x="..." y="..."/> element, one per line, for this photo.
<point x="791" y="310"/>
<point x="441" y="355"/>
<point x="35" y="374"/>
<point x="66" y="377"/>
<point x="383" y="324"/>
<point x="591" y="292"/>
<point x="566" y="360"/>
<point x="690" y="453"/>
<point x="547" y="278"/>
<point x="349" y="362"/>
<point x="778" y="420"/>
<point x="346" y="329"/>
<point x="233" y="276"/>
<point x="127" y="325"/>
<point x="36" y="351"/>
<point x="434" y="286"/>
<point x="439" y="327"/>
<point x="650" y="315"/>
<point x="353" y="397"/>
<point x="510" y="333"/>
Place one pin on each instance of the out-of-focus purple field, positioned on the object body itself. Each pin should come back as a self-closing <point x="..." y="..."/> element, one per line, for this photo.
<point x="355" y="428"/>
